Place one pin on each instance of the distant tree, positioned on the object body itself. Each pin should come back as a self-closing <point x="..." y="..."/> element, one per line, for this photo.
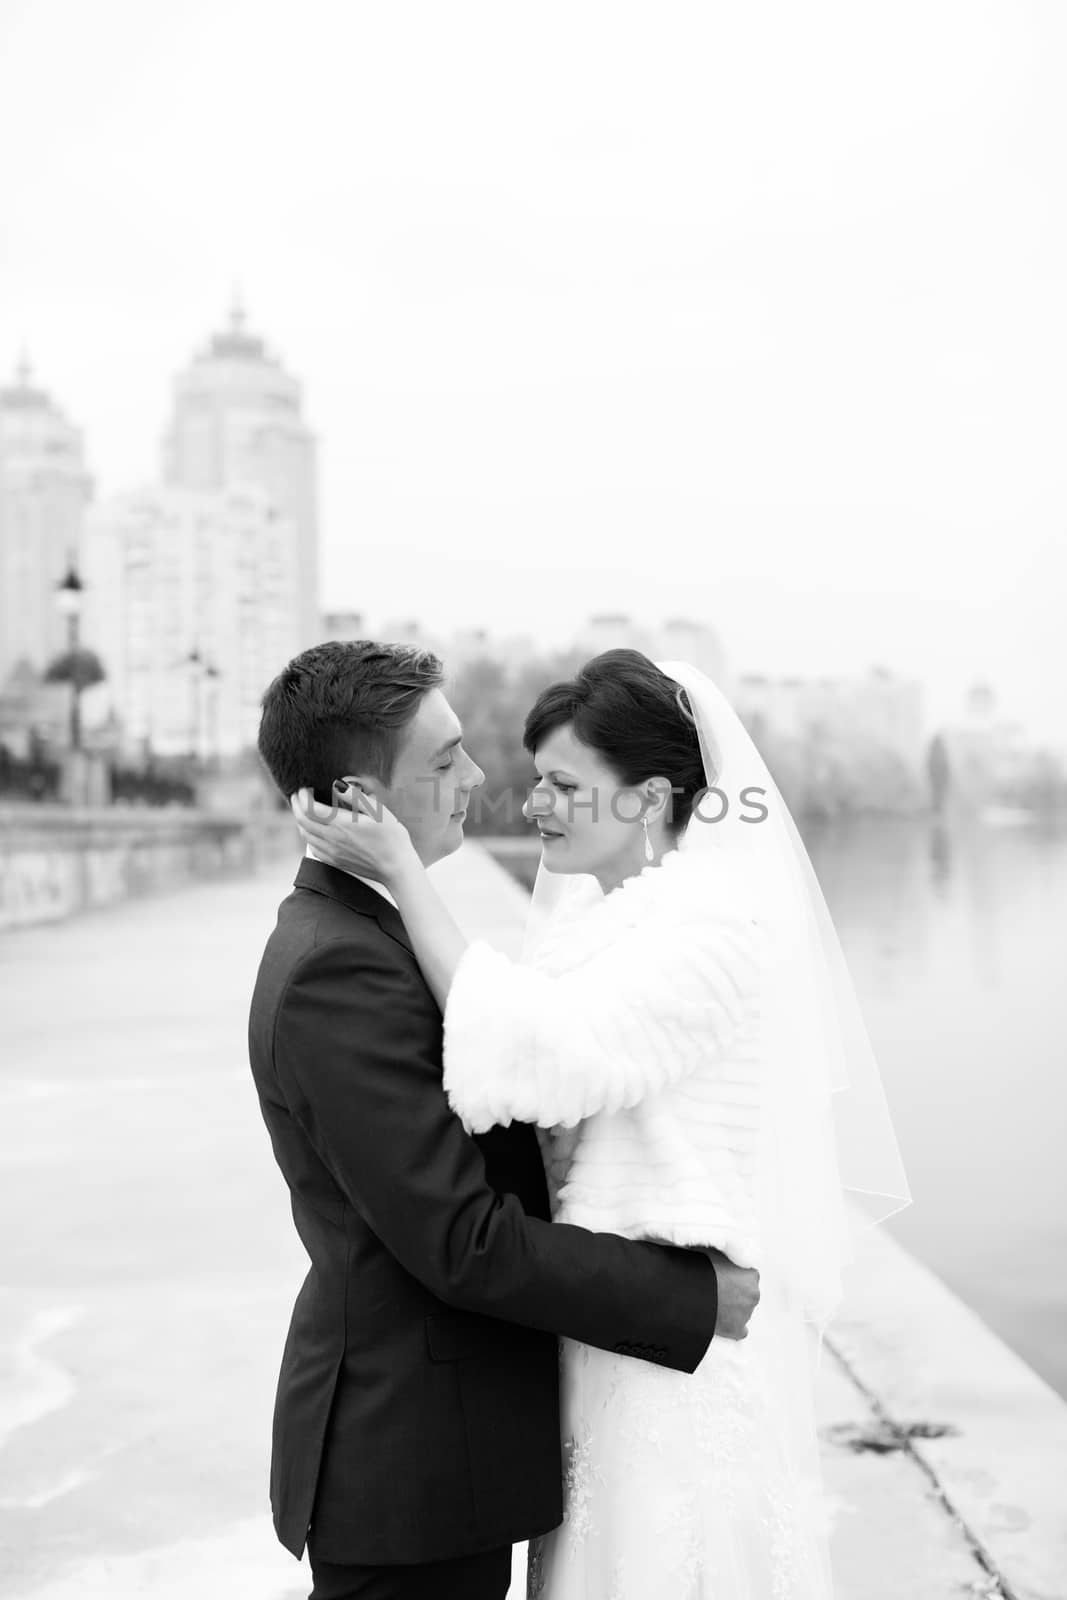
<point x="938" y="771"/>
<point x="492" y="701"/>
<point x="80" y="667"/>
<point x="1044" y="786"/>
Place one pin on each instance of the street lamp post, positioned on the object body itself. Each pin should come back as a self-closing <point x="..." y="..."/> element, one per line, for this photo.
<point x="212" y="674"/>
<point x="203" y="675"/>
<point x="195" y="663"/>
<point x="70" y="596"/>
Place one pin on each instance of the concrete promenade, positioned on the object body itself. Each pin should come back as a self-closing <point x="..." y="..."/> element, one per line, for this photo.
<point x="149" y="1265"/>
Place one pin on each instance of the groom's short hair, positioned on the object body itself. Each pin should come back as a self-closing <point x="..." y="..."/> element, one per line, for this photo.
<point x="341" y="708"/>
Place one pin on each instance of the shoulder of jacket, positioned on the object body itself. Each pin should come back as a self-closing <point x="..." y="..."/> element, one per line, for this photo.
<point x="346" y="945"/>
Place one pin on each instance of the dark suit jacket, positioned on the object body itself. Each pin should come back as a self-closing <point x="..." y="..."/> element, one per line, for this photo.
<point x="417" y="1415"/>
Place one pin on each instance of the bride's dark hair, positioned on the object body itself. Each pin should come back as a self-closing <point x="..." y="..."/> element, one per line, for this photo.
<point x="636" y="718"/>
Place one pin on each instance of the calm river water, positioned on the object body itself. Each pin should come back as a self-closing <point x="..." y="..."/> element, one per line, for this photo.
<point x="956" y="939"/>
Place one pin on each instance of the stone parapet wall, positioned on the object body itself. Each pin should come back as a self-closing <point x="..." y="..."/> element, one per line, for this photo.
<point x="56" y="861"/>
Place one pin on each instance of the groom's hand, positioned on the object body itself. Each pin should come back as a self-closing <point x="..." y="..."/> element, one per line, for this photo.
<point x="738" y="1296"/>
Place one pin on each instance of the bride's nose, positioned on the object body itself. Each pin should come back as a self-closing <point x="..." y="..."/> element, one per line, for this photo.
<point x="539" y="803"/>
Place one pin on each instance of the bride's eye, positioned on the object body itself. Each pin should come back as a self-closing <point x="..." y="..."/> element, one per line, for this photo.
<point x="565" y="788"/>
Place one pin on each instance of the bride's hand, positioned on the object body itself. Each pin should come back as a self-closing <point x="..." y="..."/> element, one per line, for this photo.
<point x="367" y="840"/>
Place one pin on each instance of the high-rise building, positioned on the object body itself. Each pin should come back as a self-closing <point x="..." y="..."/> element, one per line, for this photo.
<point x="409" y="630"/>
<point x="44" y="492"/>
<point x="990" y="760"/>
<point x="343" y="625"/>
<point x="677" y="639"/>
<point x="611" y="630"/>
<point x="237" y="423"/>
<point x="877" y="709"/>
<point x="697" y="643"/>
<point x="188" y="605"/>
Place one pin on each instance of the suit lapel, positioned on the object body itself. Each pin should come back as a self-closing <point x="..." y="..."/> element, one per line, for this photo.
<point x="351" y="892"/>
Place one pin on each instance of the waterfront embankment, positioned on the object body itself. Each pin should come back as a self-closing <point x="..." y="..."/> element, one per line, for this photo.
<point x="57" y="861"/>
<point x="150" y="1265"/>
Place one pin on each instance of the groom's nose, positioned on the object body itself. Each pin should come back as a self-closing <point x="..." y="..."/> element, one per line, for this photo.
<point x="474" y="777"/>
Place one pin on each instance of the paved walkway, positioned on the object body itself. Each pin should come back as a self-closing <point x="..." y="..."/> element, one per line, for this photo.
<point x="149" y="1265"/>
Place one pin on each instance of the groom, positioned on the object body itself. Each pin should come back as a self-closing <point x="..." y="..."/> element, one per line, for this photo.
<point x="416" y="1426"/>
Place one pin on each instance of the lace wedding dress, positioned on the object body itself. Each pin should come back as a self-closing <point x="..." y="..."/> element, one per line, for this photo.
<point x="635" y="1036"/>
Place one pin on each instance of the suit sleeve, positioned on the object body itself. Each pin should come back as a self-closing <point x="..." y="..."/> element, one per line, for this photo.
<point x="357" y="1055"/>
<point x="656" y="1005"/>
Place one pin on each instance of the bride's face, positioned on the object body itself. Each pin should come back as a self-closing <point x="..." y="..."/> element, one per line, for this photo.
<point x="588" y="820"/>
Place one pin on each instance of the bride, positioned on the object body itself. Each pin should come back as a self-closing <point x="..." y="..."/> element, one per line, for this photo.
<point x="683" y="1028"/>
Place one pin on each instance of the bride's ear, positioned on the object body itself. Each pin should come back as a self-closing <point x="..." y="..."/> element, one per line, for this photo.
<point x="658" y="796"/>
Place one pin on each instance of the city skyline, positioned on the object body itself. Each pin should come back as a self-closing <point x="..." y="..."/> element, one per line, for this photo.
<point x="683" y="352"/>
<point x="206" y="450"/>
<point x="190" y="592"/>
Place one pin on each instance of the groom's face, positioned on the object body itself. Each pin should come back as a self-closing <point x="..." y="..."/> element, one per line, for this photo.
<point x="432" y="779"/>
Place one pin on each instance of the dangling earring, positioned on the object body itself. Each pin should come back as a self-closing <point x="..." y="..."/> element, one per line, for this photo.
<point x="650" y="854"/>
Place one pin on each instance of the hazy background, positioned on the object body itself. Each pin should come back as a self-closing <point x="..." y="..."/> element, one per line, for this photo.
<point x="749" y="312"/>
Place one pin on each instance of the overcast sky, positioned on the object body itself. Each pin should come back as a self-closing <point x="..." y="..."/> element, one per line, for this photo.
<point x="753" y="311"/>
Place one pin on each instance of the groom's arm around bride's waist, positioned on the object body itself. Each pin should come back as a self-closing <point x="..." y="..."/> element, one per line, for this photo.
<point x="357" y="1058"/>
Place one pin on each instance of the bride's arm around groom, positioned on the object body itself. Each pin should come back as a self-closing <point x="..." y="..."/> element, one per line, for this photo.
<point x="357" y="1058"/>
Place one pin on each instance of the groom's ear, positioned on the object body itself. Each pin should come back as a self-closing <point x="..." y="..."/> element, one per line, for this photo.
<point x="330" y="797"/>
